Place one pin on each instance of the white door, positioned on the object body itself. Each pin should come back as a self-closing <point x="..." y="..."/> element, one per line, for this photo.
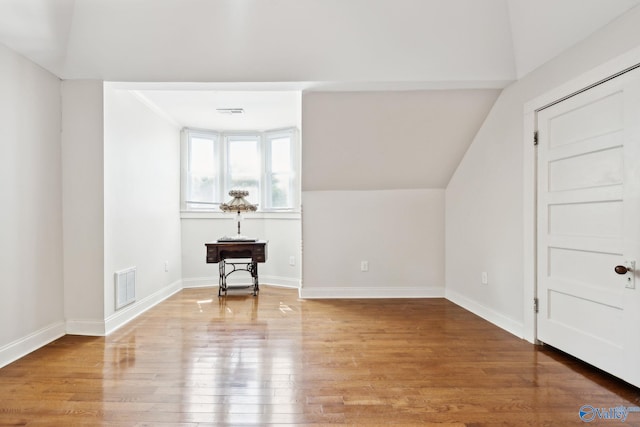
<point x="589" y="223"/>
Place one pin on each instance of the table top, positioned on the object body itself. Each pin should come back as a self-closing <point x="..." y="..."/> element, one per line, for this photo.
<point x="238" y="242"/>
<point x="218" y="251"/>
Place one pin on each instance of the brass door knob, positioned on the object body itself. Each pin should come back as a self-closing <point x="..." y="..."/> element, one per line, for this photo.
<point x="621" y="269"/>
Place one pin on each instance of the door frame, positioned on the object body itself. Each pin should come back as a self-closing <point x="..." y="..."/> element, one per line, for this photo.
<point x="585" y="81"/>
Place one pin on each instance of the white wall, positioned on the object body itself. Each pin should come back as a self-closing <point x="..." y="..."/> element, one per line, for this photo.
<point x="31" y="288"/>
<point x="399" y="232"/>
<point x="52" y="187"/>
<point x="484" y="199"/>
<point x="283" y="233"/>
<point x="374" y="167"/>
<point x="388" y="140"/>
<point x="83" y="205"/>
<point x="141" y="198"/>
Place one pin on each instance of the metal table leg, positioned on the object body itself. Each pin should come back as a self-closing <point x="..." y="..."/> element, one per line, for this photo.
<point x="222" y="281"/>
<point x="250" y="267"/>
<point x="254" y="274"/>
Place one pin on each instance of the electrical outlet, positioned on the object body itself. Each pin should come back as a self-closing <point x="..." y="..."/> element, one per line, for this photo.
<point x="166" y="266"/>
<point x="292" y="260"/>
<point x="485" y="278"/>
<point x="364" y="265"/>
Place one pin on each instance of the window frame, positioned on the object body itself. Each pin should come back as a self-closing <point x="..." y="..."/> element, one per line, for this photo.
<point x="227" y="140"/>
<point x="222" y="139"/>
<point x="294" y="186"/>
<point x="186" y="170"/>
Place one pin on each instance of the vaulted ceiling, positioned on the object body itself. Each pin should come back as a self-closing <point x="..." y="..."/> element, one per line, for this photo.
<point x="340" y="43"/>
<point x="186" y="58"/>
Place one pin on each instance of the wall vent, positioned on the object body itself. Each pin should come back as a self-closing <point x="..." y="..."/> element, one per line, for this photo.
<point x="125" y="287"/>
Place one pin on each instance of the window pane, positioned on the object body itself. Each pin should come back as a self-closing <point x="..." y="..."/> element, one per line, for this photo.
<point x="281" y="190"/>
<point x="244" y="167"/>
<point x="202" y="189"/>
<point x="201" y="161"/>
<point x="262" y="164"/>
<point x="281" y="154"/>
<point x="201" y="180"/>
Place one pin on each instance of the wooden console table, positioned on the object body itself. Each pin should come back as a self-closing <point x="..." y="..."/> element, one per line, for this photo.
<point x="219" y="252"/>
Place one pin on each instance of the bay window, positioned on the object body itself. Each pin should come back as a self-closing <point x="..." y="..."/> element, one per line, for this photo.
<point x="264" y="163"/>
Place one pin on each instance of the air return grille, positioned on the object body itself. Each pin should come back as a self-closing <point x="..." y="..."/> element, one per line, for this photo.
<point x="125" y="287"/>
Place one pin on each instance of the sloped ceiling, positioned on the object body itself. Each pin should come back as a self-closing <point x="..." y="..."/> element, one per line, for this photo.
<point x="438" y="43"/>
<point x="188" y="57"/>
<point x="543" y="29"/>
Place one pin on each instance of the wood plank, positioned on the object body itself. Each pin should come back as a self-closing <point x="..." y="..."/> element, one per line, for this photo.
<point x="277" y="360"/>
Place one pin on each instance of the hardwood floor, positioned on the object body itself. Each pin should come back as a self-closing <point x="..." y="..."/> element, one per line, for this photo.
<point x="200" y="360"/>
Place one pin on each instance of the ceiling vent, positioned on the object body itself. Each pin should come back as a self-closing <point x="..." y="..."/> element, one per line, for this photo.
<point x="230" y="111"/>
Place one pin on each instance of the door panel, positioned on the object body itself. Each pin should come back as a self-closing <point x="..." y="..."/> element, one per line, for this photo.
<point x="581" y="219"/>
<point x="588" y="197"/>
<point x="586" y="170"/>
<point x="600" y="116"/>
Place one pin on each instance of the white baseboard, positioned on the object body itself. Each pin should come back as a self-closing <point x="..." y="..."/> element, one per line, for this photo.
<point x="498" y="319"/>
<point x="200" y="282"/>
<point x="281" y="282"/>
<point x="100" y="328"/>
<point x="88" y="327"/>
<point x="212" y="281"/>
<point x="127" y="314"/>
<point x="312" y="292"/>
<point x="25" y="345"/>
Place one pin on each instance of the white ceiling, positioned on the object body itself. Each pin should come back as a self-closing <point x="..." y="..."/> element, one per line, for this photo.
<point x="186" y="58"/>
<point x="543" y="29"/>
<point x="263" y="110"/>
<point x="451" y="43"/>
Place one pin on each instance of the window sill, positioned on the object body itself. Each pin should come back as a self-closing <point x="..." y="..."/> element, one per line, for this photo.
<point x="245" y="217"/>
